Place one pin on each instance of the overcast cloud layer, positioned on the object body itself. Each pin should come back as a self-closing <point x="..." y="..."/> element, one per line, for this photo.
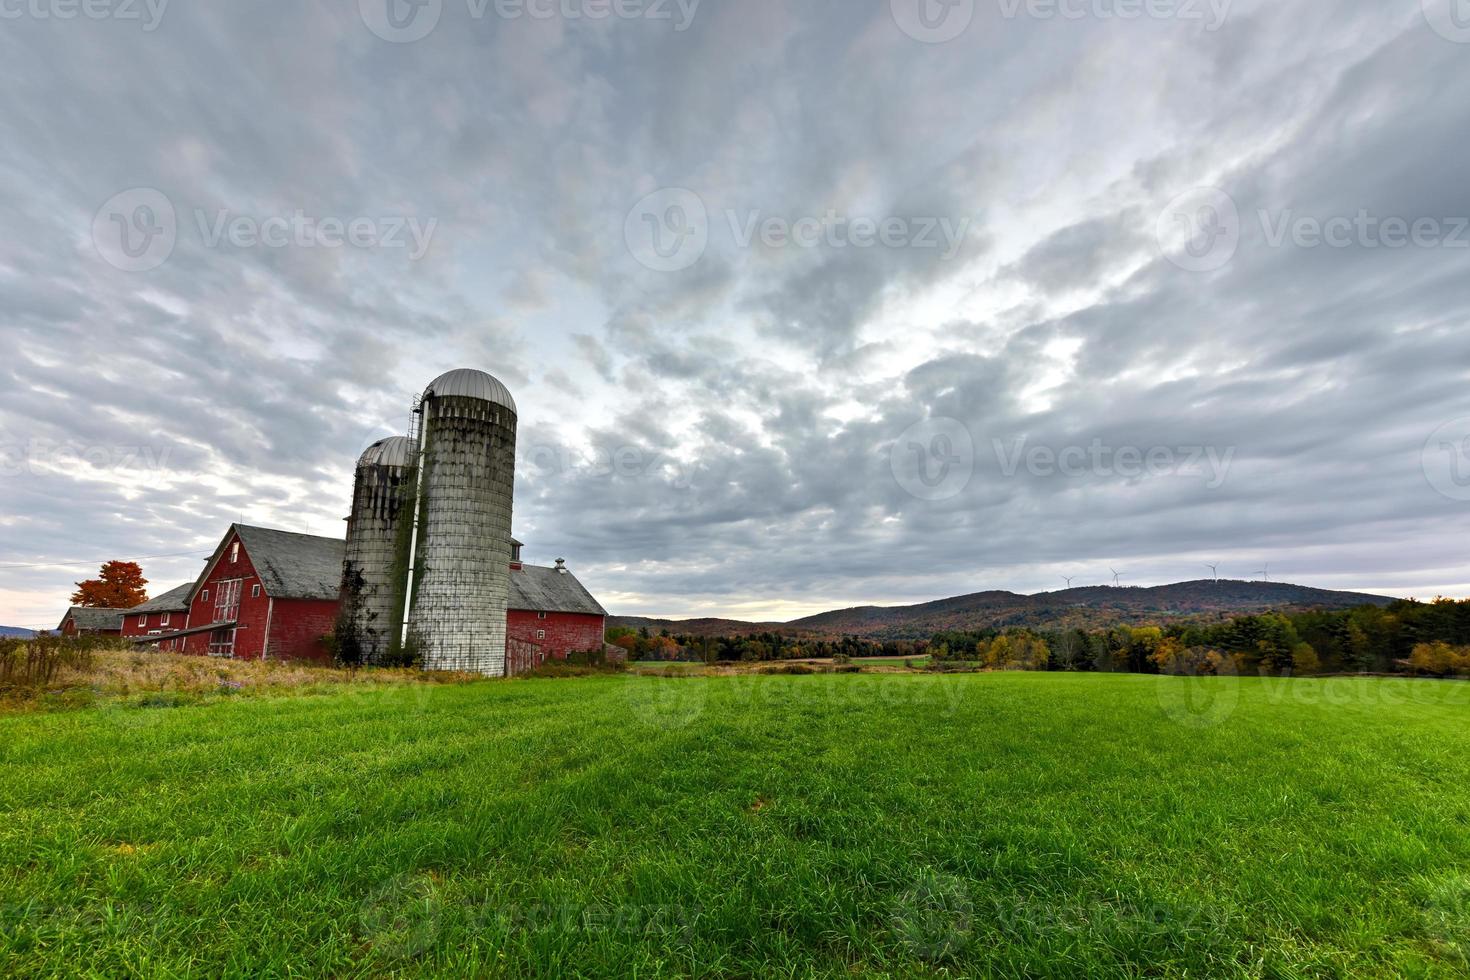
<point x="801" y="307"/>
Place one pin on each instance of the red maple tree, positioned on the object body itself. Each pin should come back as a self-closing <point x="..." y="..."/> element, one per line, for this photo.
<point x="119" y="585"/>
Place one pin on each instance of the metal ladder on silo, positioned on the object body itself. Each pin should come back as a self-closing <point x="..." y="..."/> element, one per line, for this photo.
<point x="415" y="438"/>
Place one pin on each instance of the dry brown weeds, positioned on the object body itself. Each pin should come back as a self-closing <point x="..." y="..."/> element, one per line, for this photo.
<point x="112" y="673"/>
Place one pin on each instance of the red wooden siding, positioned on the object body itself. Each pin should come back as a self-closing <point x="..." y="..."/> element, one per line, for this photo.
<point x="298" y="629"/>
<point x="253" y="612"/>
<point x="141" y="624"/>
<point x="565" y="632"/>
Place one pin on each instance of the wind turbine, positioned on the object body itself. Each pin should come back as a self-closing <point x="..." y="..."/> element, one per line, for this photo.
<point x="1215" y="571"/>
<point x="1115" y="578"/>
<point x="1265" y="573"/>
<point x="1069" y="579"/>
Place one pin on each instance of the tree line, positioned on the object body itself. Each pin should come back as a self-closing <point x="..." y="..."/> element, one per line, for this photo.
<point x="1405" y="637"/>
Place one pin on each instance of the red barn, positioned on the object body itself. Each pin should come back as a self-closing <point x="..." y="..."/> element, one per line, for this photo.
<point x="550" y="609"/>
<point x="86" y="621"/>
<point x="168" y="613"/>
<point x="275" y="594"/>
<point x="266" y="594"/>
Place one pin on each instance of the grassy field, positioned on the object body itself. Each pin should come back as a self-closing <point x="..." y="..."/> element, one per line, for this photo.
<point x="1008" y="825"/>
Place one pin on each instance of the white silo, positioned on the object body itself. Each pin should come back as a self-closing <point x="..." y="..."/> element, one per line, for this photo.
<point x="461" y="557"/>
<point x="375" y="564"/>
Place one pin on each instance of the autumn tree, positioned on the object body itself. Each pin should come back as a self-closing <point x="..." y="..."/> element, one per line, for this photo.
<point x="1441" y="658"/>
<point x="1173" y="657"/>
<point x="664" y="647"/>
<point x="1021" y="650"/>
<point x="119" y="585"/>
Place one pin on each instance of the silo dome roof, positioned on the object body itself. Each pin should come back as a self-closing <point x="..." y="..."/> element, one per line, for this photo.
<point x="469" y="383"/>
<point x="393" y="451"/>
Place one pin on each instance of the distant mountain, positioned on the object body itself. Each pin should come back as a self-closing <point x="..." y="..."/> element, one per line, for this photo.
<point x="9" y="632"/>
<point x="1089" y="607"/>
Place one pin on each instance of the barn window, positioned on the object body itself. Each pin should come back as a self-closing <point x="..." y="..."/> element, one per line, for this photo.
<point x="143" y="620"/>
<point x="222" y="643"/>
<point x="234" y="552"/>
<point x="163" y="620"/>
<point x="255" y="592"/>
<point x="204" y="596"/>
<point x="540" y="634"/>
<point x="227" y="601"/>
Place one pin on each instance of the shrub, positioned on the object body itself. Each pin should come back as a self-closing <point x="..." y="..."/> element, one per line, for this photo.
<point x="37" y="662"/>
<point x="570" y="667"/>
<point x="594" y="658"/>
<point x="406" y="656"/>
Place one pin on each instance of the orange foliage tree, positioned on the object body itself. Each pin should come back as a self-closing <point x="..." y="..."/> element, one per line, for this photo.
<point x="1441" y="658"/>
<point x="119" y="585"/>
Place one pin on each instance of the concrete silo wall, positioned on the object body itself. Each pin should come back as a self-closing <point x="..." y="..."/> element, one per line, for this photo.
<point x="462" y="562"/>
<point x="375" y="566"/>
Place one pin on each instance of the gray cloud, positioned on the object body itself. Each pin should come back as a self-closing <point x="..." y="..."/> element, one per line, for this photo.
<point x="720" y="438"/>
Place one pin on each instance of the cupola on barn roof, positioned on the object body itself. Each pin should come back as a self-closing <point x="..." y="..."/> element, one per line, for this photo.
<point x="469" y="383"/>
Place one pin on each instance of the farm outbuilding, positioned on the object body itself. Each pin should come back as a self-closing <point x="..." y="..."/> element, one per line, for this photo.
<point x="551" y="610"/>
<point x="168" y="613"/>
<point x="86" y="621"/>
<point x="266" y="594"/>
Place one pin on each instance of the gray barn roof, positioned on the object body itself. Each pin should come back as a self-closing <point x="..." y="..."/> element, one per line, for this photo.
<point x="174" y="600"/>
<point x="294" y="566"/>
<point x="304" y="566"/>
<point x="541" y="589"/>
<point x="88" y="618"/>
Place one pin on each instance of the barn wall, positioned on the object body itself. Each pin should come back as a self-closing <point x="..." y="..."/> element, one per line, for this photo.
<point x="565" y="632"/>
<point x="298" y="627"/>
<point x="250" y="636"/>
<point x="178" y="619"/>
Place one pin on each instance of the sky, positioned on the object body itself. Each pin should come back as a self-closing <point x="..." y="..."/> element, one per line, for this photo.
<point x="803" y="305"/>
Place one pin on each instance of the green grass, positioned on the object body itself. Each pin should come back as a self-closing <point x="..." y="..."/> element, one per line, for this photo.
<point x="1007" y="825"/>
